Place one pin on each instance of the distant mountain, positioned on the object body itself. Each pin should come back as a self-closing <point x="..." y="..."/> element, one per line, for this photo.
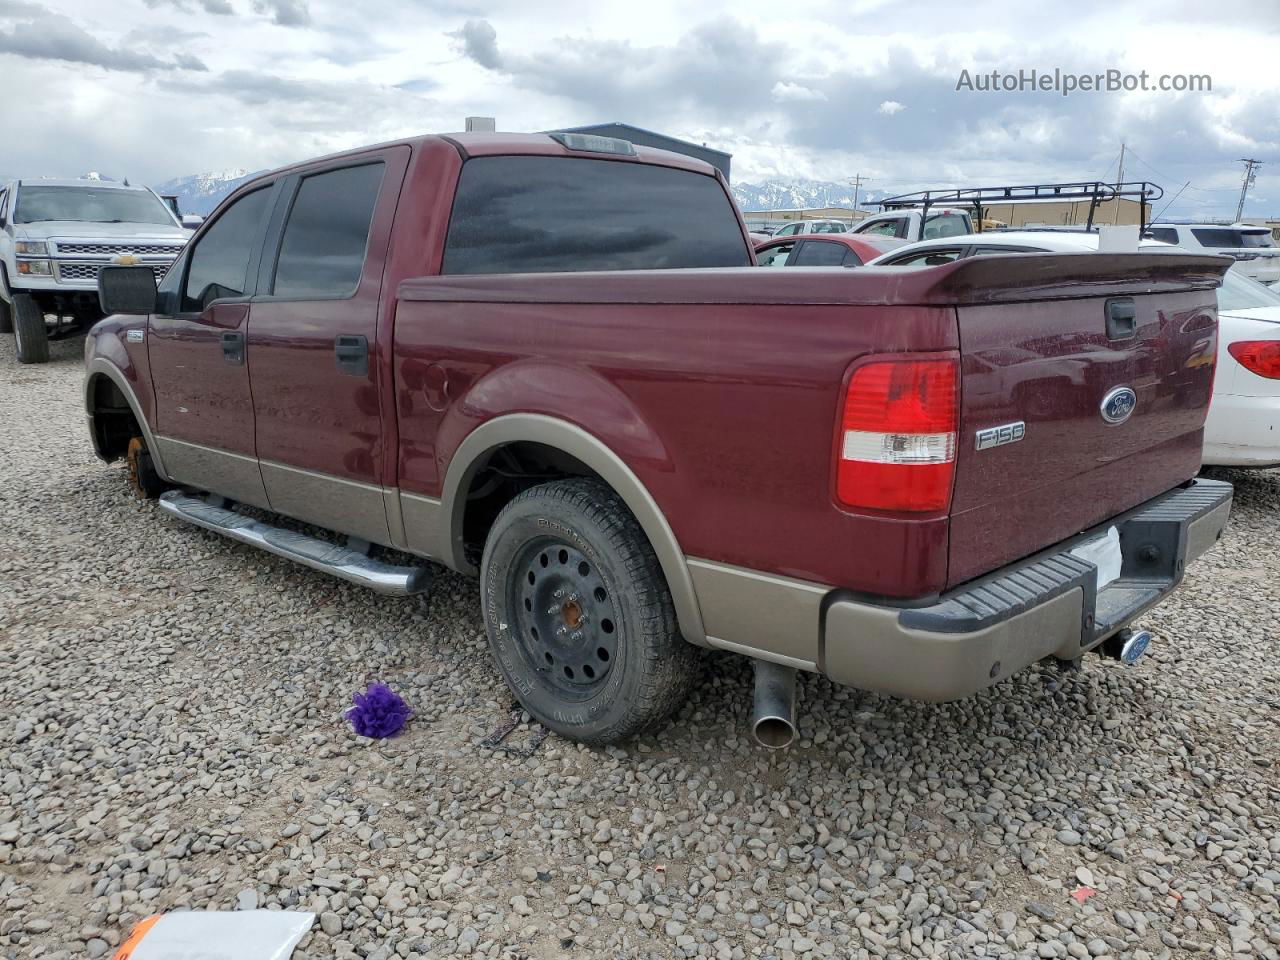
<point x="791" y="193"/>
<point x="201" y="192"/>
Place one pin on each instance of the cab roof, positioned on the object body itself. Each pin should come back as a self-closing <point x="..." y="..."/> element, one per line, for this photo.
<point x="509" y="144"/>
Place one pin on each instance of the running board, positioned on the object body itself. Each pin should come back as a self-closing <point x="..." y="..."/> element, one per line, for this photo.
<point x="310" y="551"/>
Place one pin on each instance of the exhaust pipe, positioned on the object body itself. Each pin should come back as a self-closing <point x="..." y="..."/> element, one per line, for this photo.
<point x="773" y="715"/>
<point x="1127" y="646"/>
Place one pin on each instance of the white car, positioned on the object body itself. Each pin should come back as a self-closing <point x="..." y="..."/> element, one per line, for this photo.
<point x="907" y="225"/>
<point x="945" y="249"/>
<point x="1254" y="247"/>
<point x="801" y="227"/>
<point x="1243" y="428"/>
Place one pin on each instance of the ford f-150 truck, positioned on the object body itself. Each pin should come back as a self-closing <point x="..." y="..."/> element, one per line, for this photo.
<point x="548" y="360"/>
<point x="55" y="235"/>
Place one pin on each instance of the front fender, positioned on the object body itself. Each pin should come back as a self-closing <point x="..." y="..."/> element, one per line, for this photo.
<point x="107" y="353"/>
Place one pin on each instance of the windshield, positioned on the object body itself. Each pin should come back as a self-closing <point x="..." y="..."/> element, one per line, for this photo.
<point x="89" y="204"/>
<point x="1238" y="292"/>
<point x="1233" y="239"/>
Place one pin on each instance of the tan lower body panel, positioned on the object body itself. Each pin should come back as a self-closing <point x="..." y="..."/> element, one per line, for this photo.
<point x="759" y="614"/>
<point x="227" y="474"/>
<point x="425" y="530"/>
<point x="867" y="647"/>
<point x="336" y="503"/>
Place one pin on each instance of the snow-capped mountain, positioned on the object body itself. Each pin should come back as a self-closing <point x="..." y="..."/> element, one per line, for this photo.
<point x="793" y="193"/>
<point x="201" y="192"/>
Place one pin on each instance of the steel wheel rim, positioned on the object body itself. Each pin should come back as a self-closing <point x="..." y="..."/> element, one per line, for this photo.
<point x="565" y="618"/>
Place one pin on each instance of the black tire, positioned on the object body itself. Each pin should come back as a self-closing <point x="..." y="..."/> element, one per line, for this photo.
<point x="144" y="481"/>
<point x="609" y="661"/>
<point x="30" y="334"/>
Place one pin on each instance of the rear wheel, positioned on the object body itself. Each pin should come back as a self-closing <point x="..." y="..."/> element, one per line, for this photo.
<point x="145" y="482"/>
<point x="579" y="616"/>
<point x="30" y="334"/>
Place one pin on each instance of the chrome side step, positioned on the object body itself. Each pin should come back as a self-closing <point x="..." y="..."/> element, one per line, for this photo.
<point x="312" y="552"/>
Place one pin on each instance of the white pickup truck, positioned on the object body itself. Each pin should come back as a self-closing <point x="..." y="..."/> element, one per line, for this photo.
<point x="903" y="225"/>
<point x="55" y="235"/>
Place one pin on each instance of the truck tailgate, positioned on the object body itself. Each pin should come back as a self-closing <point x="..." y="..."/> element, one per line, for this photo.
<point x="1041" y="361"/>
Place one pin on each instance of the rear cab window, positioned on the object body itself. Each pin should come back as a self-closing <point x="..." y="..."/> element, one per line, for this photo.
<point x="1164" y="234"/>
<point x="532" y="214"/>
<point x="945" y="225"/>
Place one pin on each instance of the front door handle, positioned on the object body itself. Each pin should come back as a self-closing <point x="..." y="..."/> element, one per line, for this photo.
<point x="352" y="354"/>
<point x="233" y="347"/>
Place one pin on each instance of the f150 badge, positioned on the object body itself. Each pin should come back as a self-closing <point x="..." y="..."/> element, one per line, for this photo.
<point x="1118" y="404"/>
<point x="999" y="436"/>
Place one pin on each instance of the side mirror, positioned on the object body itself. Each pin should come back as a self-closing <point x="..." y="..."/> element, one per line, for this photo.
<point x="127" y="290"/>
<point x="191" y="221"/>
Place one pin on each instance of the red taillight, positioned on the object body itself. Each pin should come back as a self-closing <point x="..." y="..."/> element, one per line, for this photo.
<point x="1258" y="356"/>
<point x="897" y="444"/>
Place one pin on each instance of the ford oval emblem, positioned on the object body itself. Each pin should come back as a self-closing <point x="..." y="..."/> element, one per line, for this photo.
<point x="1118" y="404"/>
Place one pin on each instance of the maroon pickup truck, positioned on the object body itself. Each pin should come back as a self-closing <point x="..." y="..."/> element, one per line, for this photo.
<point x="549" y="360"/>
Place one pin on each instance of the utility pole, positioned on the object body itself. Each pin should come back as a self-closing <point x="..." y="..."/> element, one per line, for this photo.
<point x="1120" y="172"/>
<point x="1250" y="175"/>
<point x="858" y="181"/>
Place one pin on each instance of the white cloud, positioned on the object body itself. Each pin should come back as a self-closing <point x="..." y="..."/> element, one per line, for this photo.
<point x="795" y="93"/>
<point x="786" y="92"/>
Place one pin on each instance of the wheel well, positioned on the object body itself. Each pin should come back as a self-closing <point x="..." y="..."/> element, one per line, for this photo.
<point x="501" y="475"/>
<point x="114" y="424"/>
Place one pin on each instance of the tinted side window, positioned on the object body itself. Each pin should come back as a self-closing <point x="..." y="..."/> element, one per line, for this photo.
<point x="220" y="259"/>
<point x="322" y="251"/>
<point x="1164" y="234"/>
<point x="929" y="258"/>
<point x="944" y="225"/>
<point x="896" y="227"/>
<point x="819" y="253"/>
<point x="775" y="256"/>
<point x="540" y="214"/>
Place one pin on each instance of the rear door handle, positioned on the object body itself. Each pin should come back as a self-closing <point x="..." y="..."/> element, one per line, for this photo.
<point x="352" y="354"/>
<point x="233" y="347"/>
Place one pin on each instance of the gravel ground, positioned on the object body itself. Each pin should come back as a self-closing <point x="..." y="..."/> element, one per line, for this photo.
<point x="173" y="737"/>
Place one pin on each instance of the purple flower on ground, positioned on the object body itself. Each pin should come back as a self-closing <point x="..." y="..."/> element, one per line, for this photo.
<point x="378" y="712"/>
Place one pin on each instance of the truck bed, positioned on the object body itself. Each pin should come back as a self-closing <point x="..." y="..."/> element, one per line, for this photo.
<point x="730" y="396"/>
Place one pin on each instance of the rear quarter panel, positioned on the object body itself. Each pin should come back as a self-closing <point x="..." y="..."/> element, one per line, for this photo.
<point x="725" y="412"/>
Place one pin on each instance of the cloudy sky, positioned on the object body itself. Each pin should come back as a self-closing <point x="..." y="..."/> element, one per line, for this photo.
<point x="153" y="89"/>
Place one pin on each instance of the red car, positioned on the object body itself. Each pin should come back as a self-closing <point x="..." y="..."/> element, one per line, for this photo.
<point x="462" y="350"/>
<point x="818" y="250"/>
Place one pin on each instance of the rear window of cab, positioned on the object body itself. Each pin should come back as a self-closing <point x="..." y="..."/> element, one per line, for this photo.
<point x="529" y="214"/>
